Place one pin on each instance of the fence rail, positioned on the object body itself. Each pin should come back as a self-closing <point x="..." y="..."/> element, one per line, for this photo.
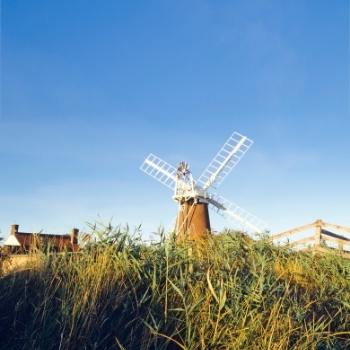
<point x="319" y="239"/>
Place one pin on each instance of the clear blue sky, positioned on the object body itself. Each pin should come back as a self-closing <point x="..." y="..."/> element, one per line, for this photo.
<point x="89" y="88"/>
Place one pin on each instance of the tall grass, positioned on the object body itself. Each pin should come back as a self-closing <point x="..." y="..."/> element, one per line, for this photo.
<point x="228" y="293"/>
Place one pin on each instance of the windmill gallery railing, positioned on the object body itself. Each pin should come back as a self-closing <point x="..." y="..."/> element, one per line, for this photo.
<point x="320" y="237"/>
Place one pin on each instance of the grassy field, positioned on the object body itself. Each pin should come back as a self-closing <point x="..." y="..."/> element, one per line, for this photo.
<point x="229" y="293"/>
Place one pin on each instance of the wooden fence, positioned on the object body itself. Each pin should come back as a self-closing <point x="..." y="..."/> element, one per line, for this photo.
<point x="321" y="239"/>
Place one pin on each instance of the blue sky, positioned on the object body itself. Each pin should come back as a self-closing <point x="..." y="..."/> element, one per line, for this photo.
<point x="89" y="88"/>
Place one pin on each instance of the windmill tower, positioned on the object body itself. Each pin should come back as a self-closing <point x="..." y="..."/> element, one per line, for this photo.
<point x="194" y="198"/>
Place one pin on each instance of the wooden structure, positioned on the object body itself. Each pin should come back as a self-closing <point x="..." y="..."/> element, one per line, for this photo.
<point x="192" y="221"/>
<point x="322" y="239"/>
<point x="24" y="242"/>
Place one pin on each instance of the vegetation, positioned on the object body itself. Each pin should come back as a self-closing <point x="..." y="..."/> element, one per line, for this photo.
<point x="229" y="293"/>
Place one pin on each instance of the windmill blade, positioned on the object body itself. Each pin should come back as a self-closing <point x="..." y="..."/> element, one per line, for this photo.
<point x="232" y="211"/>
<point x="226" y="159"/>
<point x="160" y="170"/>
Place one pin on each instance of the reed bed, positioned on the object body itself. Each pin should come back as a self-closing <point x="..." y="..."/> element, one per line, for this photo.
<point x="228" y="293"/>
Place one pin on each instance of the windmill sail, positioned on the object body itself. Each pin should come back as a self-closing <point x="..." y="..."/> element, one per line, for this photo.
<point x="160" y="170"/>
<point x="232" y="211"/>
<point x="226" y="159"/>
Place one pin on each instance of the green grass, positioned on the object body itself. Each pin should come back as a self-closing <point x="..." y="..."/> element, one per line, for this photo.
<point x="230" y="293"/>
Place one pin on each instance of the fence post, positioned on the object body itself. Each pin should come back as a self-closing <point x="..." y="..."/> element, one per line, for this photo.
<point x="318" y="225"/>
<point x="340" y="247"/>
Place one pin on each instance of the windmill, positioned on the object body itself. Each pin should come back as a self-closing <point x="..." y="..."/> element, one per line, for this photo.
<point x="194" y="197"/>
